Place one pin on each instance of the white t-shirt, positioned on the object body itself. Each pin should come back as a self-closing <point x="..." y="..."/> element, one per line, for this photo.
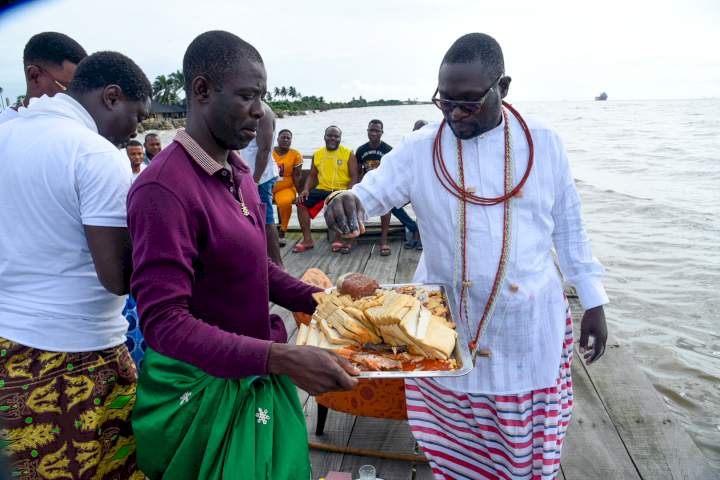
<point x="8" y="114"/>
<point x="135" y="175"/>
<point x="250" y="152"/>
<point x="56" y="175"/>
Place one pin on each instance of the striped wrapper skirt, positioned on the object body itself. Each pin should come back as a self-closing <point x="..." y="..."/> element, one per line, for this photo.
<point x="476" y="436"/>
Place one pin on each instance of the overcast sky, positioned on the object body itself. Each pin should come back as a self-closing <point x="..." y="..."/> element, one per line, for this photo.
<point x="554" y="50"/>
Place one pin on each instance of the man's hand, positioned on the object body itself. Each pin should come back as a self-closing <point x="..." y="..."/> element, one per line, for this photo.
<point x="345" y="215"/>
<point x="302" y="196"/>
<point x="312" y="369"/>
<point x="593" y="325"/>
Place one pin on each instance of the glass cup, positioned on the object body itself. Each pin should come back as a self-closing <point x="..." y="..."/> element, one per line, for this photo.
<point x="367" y="472"/>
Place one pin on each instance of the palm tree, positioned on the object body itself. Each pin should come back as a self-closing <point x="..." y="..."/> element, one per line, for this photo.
<point x="292" y="92"/>
<point x="283" y="92"/>
<point x="164" y="90"/>
<point x="177" y="79"/>
<point x="276" y="92"/>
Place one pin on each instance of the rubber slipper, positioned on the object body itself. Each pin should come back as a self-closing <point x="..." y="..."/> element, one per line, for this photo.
<point x="300" y="248"/>
<point x="345" y="249"/>
<point x="385" y="250"/>
<point x="337" y="246"/>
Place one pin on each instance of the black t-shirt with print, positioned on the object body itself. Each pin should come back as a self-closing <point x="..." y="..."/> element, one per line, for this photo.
<point x="368" y="158"/>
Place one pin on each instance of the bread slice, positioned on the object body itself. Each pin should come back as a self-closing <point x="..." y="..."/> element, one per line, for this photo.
<point x="313" y="338"/>
<point x="435" y="336"/>
<point x="360" y="316"/>
<point x="333" y="336"/>
<point x="326" y="344"/>
<point x="357" y="330"/>
<point x="302" y="335"/>
<point x="321" y="297"/>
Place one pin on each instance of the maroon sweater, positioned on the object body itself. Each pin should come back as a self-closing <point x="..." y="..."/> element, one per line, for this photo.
<point x="202" y="278"/>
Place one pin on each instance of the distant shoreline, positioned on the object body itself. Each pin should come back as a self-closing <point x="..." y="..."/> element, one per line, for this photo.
<point x="175" y="123"/>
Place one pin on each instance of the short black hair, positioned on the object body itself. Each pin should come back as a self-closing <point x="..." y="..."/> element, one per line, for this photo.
<point x="52" y="48"/>
<point x="214" y="55"/>
<point x="150" y="135"/>
<point x="133" y="143"/>
<point x="475" y="47"/>
<point x="379" y="122"/>
<point x="111" y="68"/>
<point x="285" y="130"/>
<point x="333" y="126"/>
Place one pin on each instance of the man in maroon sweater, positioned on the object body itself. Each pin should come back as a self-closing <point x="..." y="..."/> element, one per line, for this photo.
<point x="202" y="280"/>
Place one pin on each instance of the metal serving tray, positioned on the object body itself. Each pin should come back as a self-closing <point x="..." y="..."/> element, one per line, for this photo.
<point x="460" y="353"/>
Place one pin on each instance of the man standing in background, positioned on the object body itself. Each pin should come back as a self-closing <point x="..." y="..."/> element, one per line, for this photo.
<point x="368" y="158"/>
<point x="50" y="60"/>
<point x="152" y="147"/>
<point x="136" y="154"/>
<point x="258" y="156"/>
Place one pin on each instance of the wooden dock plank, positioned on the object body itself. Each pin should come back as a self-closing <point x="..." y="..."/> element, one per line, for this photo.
<point x="389" y="436"/>
<point x="380" y="434"/>
<point x="658" y="445"/>
<point x="338" y="426"/>
<point x="337" y="432"/>
<point x="407" y="264"/>
<point x="423" y="472"/>
<point x="592" y="448"/>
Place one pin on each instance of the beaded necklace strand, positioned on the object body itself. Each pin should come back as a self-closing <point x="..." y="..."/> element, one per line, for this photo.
<point x="465" y="196"/>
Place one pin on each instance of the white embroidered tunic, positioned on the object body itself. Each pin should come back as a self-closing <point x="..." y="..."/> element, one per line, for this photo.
<point x="525" y="333"/>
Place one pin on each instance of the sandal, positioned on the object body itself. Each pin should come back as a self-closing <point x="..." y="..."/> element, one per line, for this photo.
<point x="385" y="250"/>
<point x="300" y="248"/>
<point x="346" y="248"/>
<point x="336" y="246"/>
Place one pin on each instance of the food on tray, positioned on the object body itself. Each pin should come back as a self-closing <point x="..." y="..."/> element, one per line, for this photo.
<point x="381" y="329"/>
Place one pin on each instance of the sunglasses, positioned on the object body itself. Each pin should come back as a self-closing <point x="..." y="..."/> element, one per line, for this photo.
<point x="57" y="82"/>
<point x="469" y="107"/>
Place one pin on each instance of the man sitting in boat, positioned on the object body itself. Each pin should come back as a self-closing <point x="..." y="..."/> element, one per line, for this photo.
<point x="493" y="194"/>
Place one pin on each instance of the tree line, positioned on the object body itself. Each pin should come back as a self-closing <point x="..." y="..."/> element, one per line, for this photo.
<point x="167" y="89"/>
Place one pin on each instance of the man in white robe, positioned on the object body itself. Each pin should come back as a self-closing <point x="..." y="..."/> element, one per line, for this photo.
<point x="506" y="418"/>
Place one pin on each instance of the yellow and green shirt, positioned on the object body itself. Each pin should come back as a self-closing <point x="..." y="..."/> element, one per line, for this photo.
<point x="333" y="168"/>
